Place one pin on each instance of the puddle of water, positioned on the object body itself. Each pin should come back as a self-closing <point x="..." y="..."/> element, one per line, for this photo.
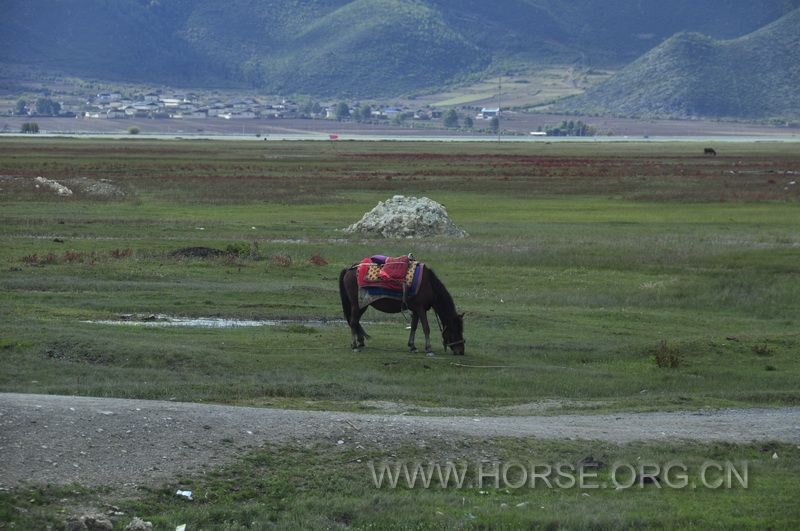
<point x="166" y="321"/>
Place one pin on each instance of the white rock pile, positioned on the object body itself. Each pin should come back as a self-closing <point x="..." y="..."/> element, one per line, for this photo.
<point x="56" y="186"/>
<point x="407" y="217"/>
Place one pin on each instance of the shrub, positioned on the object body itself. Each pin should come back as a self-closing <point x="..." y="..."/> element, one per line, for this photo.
<point x="239" y="249"/>
<point x="281" y="260"/>
<point x="72" y="256"/>
<point x="134" y="130"/>
<point x="29" y="128"/>
<point x="317" y="260"/>
<point x="120" y="253"/>
<point x="667" y="356"/>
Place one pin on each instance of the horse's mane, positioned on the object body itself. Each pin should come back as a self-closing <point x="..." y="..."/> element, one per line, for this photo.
<point x="443" y="301"/>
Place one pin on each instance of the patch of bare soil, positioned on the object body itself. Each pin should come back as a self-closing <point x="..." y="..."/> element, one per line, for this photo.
<point x="127" y="443"/>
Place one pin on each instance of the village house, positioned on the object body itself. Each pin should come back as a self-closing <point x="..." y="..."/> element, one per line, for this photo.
<point x="238" y="115"/>
<point x="115" y="114"/>
<point x="171" y="103"/>
<point x="108" y="97"/>
<point x="488" y="113"/>
<point x="74" y="105"/>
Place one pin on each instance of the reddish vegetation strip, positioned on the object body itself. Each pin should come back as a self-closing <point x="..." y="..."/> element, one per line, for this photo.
<point x="219" y="172"/>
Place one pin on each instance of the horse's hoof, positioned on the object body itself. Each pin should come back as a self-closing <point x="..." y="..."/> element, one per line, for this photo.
<point x="412" y="349"/>
<point x="430" y="354"/>
<point x="356" y="350"/>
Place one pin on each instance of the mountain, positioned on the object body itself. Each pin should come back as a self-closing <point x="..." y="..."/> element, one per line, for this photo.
<point x="693" y="75"/>
<point x="348" y="47"/>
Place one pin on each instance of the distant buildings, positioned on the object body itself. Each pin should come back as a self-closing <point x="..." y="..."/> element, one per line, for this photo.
<point x="190" y="106"/>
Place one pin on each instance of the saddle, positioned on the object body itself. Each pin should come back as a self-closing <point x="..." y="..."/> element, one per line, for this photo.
<point x="395" y="269"/>
<point x="400" y="274"/>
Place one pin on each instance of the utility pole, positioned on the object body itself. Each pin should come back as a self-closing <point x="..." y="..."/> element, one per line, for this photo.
<point x="499" y="106"/>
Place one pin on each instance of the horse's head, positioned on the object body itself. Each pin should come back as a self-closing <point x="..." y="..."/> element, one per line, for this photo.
<point x="453" y="335"/>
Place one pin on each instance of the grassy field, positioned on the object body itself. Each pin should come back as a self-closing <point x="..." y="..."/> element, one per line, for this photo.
<point x="581" y="260"/>
<point x="333" y="487"/>
<point x="595" y="277"/>
<point x="527" y="89"/>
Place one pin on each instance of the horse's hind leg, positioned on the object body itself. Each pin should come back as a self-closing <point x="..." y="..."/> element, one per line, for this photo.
<point x="355" y="329"/>
<point x="426" y="329"/>
<point x="354" y="344"/>
<point x="414" y="320"/>
<point x="361" y="333"/>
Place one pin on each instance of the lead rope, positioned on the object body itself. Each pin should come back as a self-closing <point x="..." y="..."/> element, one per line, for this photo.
<point x="404" y="303"/>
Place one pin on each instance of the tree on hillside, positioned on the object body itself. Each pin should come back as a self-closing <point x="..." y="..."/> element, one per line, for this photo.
<point x="310" y="108"/>
<point x="342" y="111"/>
<point x="21" y="107"/>
<point x="47" y="107"/>
<point x="494" y="123"/>
<point x="468" y="123"/>
<point x="451" y="118"/>
<point x="365" y="112"/>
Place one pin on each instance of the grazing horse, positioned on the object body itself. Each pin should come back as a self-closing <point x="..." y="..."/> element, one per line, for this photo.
<point x="431" y="294"/>
<point x="710" y="151"/>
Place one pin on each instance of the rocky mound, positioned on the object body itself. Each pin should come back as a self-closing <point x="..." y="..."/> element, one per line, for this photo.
<point x="407" y="217"/>
<point x="97" y="188"/>
<point x="55" y="186"/>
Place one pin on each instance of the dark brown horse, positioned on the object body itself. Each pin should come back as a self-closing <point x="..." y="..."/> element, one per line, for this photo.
<point x="431" y="294"/>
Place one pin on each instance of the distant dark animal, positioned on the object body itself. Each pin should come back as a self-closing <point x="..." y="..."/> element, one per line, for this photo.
<point x="431" y="294"/>
<point x="710" y="151"/>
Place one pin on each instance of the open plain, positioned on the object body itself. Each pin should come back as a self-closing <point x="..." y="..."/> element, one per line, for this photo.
<point x="598" y="280"/>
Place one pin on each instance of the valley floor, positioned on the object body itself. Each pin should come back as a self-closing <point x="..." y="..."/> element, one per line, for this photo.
<point x="513" y="123"/>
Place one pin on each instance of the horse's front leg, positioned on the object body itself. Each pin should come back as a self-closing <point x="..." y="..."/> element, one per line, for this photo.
<point x="414" y="320"/>
<point x="426" y="329"/>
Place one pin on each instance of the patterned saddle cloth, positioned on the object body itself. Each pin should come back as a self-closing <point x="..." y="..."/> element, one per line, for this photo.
<point x="389" y="277"/>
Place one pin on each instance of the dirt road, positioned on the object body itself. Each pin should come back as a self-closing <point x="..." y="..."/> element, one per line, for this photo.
<point x="107" y="441"/>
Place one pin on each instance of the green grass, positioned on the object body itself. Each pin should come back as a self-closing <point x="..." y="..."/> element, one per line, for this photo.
<point x="584" y="262"/>
<point x="581" y="260"/>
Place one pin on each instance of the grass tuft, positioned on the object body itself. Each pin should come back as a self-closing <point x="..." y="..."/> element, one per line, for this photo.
<point x="667" y="356"/>
<point x="762" y="350"/>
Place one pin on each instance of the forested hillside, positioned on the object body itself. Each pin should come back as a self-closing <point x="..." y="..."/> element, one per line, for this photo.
<point x="693" y="75"/>
<point x="348" y="47"/>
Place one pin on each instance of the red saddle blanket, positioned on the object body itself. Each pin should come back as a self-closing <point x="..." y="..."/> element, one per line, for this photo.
<point x="395" y="269"/>
<point x="391" y="275"/>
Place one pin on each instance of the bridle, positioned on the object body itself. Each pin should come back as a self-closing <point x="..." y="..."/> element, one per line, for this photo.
<point x="459" y="342"/>
<point x="447" y="345"/>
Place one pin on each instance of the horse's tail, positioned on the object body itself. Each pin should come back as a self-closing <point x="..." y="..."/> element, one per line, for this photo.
<point x="343" y="294"/>
<point x="346" y="307"/>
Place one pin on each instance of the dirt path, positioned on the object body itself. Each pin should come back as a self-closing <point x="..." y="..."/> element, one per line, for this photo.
<point x="107" y="441"/>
